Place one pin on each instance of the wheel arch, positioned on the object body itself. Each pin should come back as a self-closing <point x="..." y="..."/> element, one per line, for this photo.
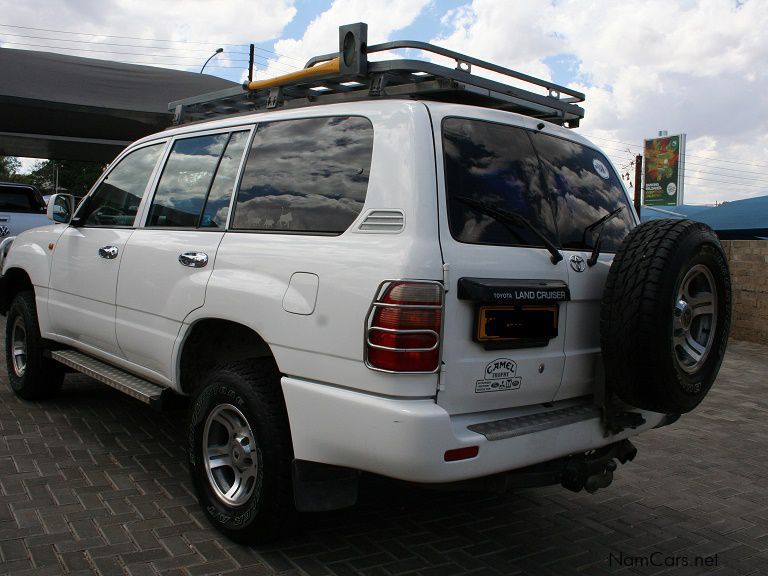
<point x="209" y="342"/>
<point x="14" y="280"/>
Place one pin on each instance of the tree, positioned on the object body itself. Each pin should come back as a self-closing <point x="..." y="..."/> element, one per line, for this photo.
<point x="9" y="166"/>
<point x="74" y="176"/>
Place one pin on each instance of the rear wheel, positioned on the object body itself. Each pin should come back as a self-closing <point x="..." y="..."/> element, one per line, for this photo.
<point x="665" y="315"/>
<point x="30" y="374"/>
<point x="240" y="451"/>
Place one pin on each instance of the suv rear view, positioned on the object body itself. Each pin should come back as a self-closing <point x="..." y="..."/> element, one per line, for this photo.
<point x="390" y="267"/>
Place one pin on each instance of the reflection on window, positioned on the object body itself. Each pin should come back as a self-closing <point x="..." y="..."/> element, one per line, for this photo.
<point x="308" y="175"/>
<point x="217" y="205"/>
<point x="495" y="165"/>
<point x="116" y="200"/>
<point x="185" y="181"/>
<point x="585" y="188"/>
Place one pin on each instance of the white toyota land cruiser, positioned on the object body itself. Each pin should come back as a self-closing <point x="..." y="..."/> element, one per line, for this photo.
<point x="393" y="267"/>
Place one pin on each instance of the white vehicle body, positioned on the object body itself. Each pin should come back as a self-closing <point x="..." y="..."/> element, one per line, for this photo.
<point x="308" y="297"/>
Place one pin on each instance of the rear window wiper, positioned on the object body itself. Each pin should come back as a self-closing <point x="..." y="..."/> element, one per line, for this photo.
<point x="601" y="224"/>
<point x="509" y="219"/>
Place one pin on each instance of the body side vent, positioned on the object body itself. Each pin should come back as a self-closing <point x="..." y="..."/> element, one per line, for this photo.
<point x="383" y="221"/>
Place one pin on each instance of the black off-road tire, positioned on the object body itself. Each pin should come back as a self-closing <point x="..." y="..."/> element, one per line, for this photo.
<point x="641" y="313"/>
<point x="32" y="377"/>
<point x="252" y="387"/>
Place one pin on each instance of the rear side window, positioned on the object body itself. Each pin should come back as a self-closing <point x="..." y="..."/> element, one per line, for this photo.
<point x="584" y="189"/>
<point x="494" y="166"/>
<point x="186" y="178"/>
<point x="308" y="175"/>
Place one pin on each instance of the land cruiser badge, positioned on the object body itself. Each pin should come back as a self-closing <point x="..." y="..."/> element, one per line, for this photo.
<point x="499" y="376"/>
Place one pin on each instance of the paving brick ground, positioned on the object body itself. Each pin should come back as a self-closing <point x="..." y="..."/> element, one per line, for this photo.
<point x="95" y="483"/>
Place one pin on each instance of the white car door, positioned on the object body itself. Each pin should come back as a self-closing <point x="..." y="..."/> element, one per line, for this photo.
<point x="505" y="307"/>
<point x="168" y="261"/>
<point x="87" y="256"/>
<point x="591" y="206"/>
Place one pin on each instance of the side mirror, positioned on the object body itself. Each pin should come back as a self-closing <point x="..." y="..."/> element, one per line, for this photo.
<point x="60" y="207"/>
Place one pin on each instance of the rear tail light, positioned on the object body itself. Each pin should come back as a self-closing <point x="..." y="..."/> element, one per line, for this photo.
<point x="403" y="327"/>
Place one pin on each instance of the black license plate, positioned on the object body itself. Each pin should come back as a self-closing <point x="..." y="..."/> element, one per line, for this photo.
<point x="517" y="326"/>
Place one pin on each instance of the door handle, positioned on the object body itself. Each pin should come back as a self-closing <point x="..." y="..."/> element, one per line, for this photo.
<point x="193" y="259"/>
<point x="108" y="252"/>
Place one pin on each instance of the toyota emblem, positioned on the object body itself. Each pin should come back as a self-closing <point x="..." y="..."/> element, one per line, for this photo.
<point x="4" y="231"/>
<point x="577" y="263"/>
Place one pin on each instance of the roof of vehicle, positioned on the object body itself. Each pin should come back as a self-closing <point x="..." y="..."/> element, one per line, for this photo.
<point x="18" y="185"/>
<point x="365" y="107"/>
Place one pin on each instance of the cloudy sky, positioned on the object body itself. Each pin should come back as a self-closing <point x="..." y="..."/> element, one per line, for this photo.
<point x="693" y="66"/>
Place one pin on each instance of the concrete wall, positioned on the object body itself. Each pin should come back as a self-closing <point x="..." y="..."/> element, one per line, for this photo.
<point x="748" y="260"/>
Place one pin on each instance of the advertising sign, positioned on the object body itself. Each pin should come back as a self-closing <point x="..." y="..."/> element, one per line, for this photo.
<point x="664" y="170"/>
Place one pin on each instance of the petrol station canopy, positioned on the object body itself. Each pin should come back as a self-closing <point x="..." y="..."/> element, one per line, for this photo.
<point x="71" y="108"/>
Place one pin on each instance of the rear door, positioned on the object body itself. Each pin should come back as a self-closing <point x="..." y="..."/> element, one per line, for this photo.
<point x="167" y="262"/>
<point x="590" y="203"/>
<point x="504" y="326"/>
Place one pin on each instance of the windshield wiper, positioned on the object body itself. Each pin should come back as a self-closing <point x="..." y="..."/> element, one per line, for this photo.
<point x="601" y="224"/>
<point x="509" y="219"/>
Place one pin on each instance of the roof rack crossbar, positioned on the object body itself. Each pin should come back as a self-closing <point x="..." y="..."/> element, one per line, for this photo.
<point x="348" y="75"/>
<point x="460" y="59"/>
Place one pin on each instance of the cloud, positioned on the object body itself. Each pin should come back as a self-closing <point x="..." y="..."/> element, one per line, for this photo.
<point x="694" y="66"/>
<point x="214" y="23"/>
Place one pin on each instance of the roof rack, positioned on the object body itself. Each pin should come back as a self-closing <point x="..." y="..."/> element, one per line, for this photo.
<point x="349" y="75"/>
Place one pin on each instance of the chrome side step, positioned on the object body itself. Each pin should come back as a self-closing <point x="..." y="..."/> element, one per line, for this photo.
<point x="522" y="425"/>
<point x="111" y="376"/>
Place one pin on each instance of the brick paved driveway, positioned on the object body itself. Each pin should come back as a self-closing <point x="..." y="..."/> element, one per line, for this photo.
<point x="95" y="483"/>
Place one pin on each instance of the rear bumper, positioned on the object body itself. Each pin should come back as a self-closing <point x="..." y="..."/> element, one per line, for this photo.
<point x="407" y="439"/>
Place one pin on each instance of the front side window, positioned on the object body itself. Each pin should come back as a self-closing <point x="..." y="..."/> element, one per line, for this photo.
<point x="585" y="189"/>
<point x="116" y="200"/>
<point x="308" y="175"/>
<point x="493" y="185"/>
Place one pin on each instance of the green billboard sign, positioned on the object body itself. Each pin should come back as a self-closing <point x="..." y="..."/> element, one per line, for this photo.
<point x="663" y="173"/>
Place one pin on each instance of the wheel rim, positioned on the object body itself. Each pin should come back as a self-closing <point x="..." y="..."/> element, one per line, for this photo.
<point x="19" y="347"/>
<point x="695" y="318"/>
<point x="231" y="455"/>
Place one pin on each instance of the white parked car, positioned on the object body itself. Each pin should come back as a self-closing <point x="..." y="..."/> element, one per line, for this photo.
<point x="21" y="207"/>
<point x="391" y="267"/>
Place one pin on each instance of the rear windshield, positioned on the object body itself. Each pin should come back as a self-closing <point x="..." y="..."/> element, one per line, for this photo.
<point x="13" y="199"/>
<point x="503" y="181"/>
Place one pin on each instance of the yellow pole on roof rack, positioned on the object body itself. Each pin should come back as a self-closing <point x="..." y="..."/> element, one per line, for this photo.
<point x="328" y="67"/>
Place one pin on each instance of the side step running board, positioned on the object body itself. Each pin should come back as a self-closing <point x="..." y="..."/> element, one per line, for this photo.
<point x="111" y="376"/>
<point x="521" y="425"/>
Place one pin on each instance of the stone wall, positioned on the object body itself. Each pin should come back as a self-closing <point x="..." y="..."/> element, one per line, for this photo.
<point x="748" y="260"/>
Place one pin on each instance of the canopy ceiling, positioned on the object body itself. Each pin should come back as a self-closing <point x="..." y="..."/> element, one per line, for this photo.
<point x="70" y="108"/>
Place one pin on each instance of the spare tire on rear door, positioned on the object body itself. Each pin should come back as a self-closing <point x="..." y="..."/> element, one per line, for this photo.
<point x="665" y="315"/>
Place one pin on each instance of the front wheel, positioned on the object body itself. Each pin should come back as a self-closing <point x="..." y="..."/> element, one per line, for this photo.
<point x="31" y="375"/>
<point x="240" y="451"/>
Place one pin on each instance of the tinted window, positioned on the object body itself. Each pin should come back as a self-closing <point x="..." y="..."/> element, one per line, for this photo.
<point x="584" y="188"/>
<point x="186" y="178"/>
<point x="116" y="200"/>
<point x="217" y="204"/>
<point x="13" y="199"/>
<point x="494" y="165"/>
<point x="308" y="175"/>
